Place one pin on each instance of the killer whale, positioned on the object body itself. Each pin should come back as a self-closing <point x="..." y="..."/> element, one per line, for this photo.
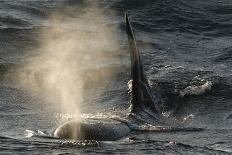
<point x="144" y="102"/>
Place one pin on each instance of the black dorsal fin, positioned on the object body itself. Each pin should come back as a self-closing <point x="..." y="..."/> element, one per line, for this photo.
<point x="141" y="96"/>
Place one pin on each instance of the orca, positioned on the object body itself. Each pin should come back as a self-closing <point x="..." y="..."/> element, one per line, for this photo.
<point x="144" y="104"/>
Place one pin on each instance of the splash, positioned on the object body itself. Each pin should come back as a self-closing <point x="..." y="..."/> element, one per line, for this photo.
<point x="71" y="45"/>
<point x="196" y="90"/>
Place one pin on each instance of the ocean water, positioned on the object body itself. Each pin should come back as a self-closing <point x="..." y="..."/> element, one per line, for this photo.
<point x="187" y="53"/>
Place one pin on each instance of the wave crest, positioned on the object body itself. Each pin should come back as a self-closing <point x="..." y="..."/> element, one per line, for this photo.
<point x="196" y="90"/>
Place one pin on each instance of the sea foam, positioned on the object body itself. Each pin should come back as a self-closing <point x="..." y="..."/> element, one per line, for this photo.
<point x="196" y="90"/>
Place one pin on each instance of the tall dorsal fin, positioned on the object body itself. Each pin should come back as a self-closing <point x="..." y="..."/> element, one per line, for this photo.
<point x="141" y="96"/>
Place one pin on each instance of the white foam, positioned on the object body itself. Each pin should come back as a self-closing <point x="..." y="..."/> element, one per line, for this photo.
<point x="196" y="90"/>
<point x="29" y="133"/>
<point x="191" y="116"/>
<point x="129" y="83"/>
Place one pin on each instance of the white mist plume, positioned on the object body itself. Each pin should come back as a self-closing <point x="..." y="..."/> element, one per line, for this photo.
<point x="70" y="47"/>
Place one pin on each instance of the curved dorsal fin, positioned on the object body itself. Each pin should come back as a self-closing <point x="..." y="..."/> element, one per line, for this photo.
<point x="141" y="96"/>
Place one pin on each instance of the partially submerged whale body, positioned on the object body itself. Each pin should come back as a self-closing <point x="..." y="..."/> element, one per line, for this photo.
<point x="142" y="99"/>
<point x="144" y="103"/>
<point x="92" y="129"/>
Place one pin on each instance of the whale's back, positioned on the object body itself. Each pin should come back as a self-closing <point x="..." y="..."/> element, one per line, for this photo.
<point x="92" y="129"/>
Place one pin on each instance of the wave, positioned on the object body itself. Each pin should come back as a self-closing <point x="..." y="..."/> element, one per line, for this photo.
<point x="51" y="140"/>
<point x="32" y="11"/>
<point x="175" y="146"/>
<point x="224" y="56"/>
<point x="194" y="17"/>
<point x="13" y="21"/>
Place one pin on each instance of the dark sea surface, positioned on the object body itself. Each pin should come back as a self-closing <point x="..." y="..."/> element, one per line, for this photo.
<point x="187" y="51"/>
